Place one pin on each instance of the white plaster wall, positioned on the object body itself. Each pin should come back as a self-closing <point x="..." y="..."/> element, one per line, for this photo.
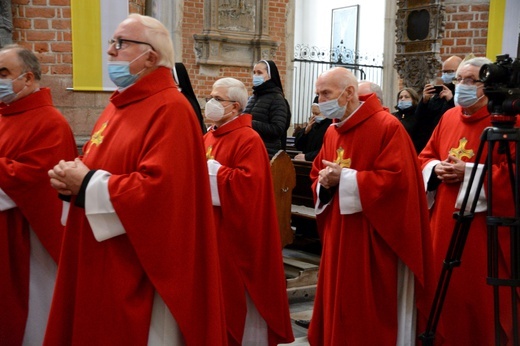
<point x="313" y="23"/>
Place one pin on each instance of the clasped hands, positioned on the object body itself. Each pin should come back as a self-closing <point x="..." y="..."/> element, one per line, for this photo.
<point x="329" y="176"/>
<point x="450" y="170"/>
<point x="67" y="176"/>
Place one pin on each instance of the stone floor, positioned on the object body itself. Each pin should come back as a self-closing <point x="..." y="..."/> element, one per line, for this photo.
<point x="301" y="310"/>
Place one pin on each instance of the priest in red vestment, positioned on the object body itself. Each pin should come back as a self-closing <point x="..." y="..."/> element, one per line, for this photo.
<point x="374" y="279"/>
<point x="257" y="310"/>
<point x="34" y="136"/>
<point x="139" y="263"/>
<point x="447" y="160"/>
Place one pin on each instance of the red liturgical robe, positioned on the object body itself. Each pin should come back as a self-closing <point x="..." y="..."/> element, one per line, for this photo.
<point x="149" y="140"/>
<point x="248" y="234"/>
<point x="356" y="299"/>
<point x="467" y="313"/>
<point x="35" y="136"/>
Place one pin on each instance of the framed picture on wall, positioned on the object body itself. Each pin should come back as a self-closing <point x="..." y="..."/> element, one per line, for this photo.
<point x="343" y="46"/>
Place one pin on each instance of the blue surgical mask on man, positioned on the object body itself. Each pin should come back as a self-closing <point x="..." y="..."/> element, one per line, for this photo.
<point x="331" y="109"/>
<point x="466" y="95"/>
<point x="258" y="80"/>
<point x="119" y="72"/>
<point x="7" y="94"/>
<point x="402" y="105"/>
<point x="447" y="78"/>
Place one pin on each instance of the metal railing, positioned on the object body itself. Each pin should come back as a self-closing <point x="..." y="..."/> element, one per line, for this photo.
<point x="309" y="63"/>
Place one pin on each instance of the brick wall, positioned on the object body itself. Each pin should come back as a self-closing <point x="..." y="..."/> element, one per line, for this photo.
<point x="466" y="29"/>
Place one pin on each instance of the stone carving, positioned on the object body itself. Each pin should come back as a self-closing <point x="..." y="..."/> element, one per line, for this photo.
<point x="420" y="28"/>
<point x="236" y="15"/>
<point x="6" y="23"/>
<point x="236" y="33"/>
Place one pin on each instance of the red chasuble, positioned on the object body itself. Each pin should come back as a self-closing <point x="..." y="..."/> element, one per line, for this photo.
<point x="248" y="234"/>
<point x="467" y="314"/>
<point x="149" y="140"/>
<point x="34" y="137"/>
<point x="356" y="298"/>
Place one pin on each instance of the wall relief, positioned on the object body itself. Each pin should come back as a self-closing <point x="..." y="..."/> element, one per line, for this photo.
<point x="420" y="28"/>
<point x="236" y="33"/>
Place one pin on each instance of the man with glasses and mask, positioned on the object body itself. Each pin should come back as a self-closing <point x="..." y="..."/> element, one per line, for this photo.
<point x="257" y="310"/>
<point x="373" y="222"/>
<point x="447" y="161"/>
<point x="35" y="135"/>
<point x="140" y="260"/>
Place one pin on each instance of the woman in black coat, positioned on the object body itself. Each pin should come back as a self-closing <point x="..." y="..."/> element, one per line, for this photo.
<point x="268" y="106"/>
<point x="407" y="100"/>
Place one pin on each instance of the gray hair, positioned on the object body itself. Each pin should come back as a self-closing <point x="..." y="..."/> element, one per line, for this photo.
<point x="159" y="37"/>
<point x="28" y="60"/>
<point x="236" y="90"/>
<point x="478" y="62"/>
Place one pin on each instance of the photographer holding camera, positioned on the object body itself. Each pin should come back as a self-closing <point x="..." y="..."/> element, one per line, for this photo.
<point x="434" y="103"/>
<point x="447" y="160"/>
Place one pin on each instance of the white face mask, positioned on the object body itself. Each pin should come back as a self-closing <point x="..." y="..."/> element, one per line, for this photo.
<point x="331" y="109"/>
<point x="214" y="110"/>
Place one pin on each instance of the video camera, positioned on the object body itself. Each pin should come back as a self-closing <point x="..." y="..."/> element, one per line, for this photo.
<point x="502" y="87"/>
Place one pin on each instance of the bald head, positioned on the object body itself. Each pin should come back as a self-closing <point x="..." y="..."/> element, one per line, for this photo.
<point x="451" y="64"/>
<point x="338" y="83"/>
<point x="366" y="87"/>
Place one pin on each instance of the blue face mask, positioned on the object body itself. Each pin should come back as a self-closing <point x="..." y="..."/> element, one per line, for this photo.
<point x="7" y="95"/>
<point x="258" y="80"/>
<point x="119" y="72"/>
<point x="465" y="95"/>
<point x="331" y="109"/>
<point x="402" y="105"/>
<point x="447" y="78"/>
<point x="319" y="119"/>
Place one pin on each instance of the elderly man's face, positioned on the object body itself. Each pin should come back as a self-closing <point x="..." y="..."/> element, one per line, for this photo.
<point x="11" y="68"/>
<point x="132" y="45"/>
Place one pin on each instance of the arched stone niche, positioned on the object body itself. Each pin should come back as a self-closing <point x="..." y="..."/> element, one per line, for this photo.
<point x="236" y="33"/>
<point x="419" y="30"/>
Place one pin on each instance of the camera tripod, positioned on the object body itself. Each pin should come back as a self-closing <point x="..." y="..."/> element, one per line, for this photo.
<point x="491" y="136"/>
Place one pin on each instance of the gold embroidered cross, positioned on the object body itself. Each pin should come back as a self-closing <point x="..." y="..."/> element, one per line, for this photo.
<point x="343" y="163"/>
<point x="461" y="151"/>
<point x="208" y="153"/>
<point x="97" y="137"/>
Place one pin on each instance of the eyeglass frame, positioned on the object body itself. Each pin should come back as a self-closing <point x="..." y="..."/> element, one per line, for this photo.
<point x="460" y="80"/>
<point x="119" y="41"/>
<point x="213" y="98"/>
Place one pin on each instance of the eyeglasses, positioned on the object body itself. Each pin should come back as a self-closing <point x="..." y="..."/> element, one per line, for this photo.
<point x="466" y="81"/>
<point x="218" y="99"/>
<point x="119" y="43"/>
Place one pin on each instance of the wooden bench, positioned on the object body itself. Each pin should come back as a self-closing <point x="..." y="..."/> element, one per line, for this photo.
<point x="302" y="196"/>
<point x="284" y="180"/>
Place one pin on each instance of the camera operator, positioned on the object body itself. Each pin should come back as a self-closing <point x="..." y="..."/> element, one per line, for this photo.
<point x="447" y="161"/>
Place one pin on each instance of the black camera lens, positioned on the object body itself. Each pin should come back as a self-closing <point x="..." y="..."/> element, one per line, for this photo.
<point x="493" y="73"/>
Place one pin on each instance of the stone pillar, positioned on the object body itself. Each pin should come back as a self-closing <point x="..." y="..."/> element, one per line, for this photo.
<point x="170" y="13"/>
<point x="6" y="23"/>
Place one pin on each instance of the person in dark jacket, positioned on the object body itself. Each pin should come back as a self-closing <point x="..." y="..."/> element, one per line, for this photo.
<point x="268" y="106"/>
<point x="433" y="104"/>
<point x="310" y="138"/>
<point x="182" y="79"/>
<point x="407" y="100"/>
